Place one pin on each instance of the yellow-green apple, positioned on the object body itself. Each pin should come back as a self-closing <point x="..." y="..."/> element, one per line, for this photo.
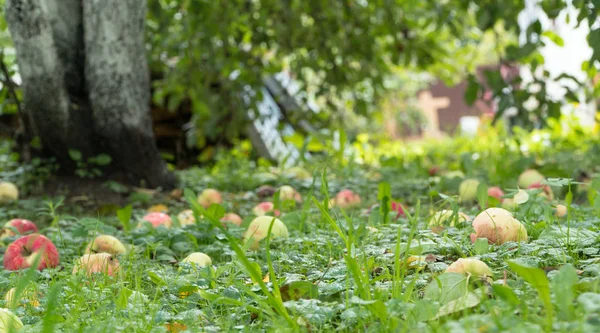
<point x="528" y="177"/>
<point x="157" y="219"/>
<point x="22" y="226"/>
<point x="499" y="226"/>
<point x="467" y="190"/>
<point x="23" y="252"/>
<point x="561" y="210"/>
<point x="30" y="296"/>
<point x="259" y="228"/>
<point x="186" y="217"/>
<point x="8" y="192"/>
<point x="447" y="217"/>
<point x="209" y="196"/>
<point x="198" y="258"/>
<point x="470" y="266"/>
<point x="286" y="192"/>
<point x="106" y="244"/>
<point x="9" y="322"/>
<point x="160" y="208"/>
<point x="97" y="263"/>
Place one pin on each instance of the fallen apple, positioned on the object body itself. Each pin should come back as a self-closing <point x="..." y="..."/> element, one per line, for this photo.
<point x="198" y="258"/>
<point x="447" y="217"/>
<point x="9" y="322"/>
<point x="499" y="226"/>
<point x="528" y="177"/>
<point x="232" y="218"/>
<point x="496" y="192"/>
<point x="186" y="217"/>
<point x="546" y="190"/>
<point x="347" y="199"/>
<point x="470" y="266"/>
<point x="265" y="191"/>
<point x="9" y="192"/>
<point x="209" y="196"/>
<point x="106" y="244"/>
<point x="103" y="263"/>
<point x="561" y="210"/>
<point x="158" y="209"/>
<point x="29" y="296"/>
<point x="259" y="228"/>
<point x="263" y="208"/>
<point x="157" y="219"/>
<point x="22" y="227"/>
<point x="509" y="204"/>
<point x="287" y="192"/>
<point x="467" y="190"/>
<point x="23" y="252"/>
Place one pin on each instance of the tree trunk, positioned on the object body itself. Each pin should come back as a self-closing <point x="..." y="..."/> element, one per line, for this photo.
<point x="86" y="82"/>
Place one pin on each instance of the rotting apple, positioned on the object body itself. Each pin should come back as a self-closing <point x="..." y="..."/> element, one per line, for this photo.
<point x="103" y="263"/>
<point x="23" y="252"/>
<point x="528" y="177"/>
<point x="157" y="219"/>
<point x="107" y="244"/>
<point x="470" y="266"/>
<point x="22" y="226"/>
<point x="499" y="226"/>
<point x="9" y="192"/>
<point x="198" y="258"/>
<point x="209" y="196"/>
<point x="259" y="228"/>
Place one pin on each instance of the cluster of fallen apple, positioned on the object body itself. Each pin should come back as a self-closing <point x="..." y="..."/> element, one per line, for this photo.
<point x="495" y="224"/>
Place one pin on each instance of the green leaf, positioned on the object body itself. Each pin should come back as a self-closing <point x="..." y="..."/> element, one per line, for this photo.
<point x="103" y="159"/>
<point x="470" y="300"/>
<point x="297" y="290"/>
<point x="121" y="301"/>
<point x="538" y="280"/>
<point x="447" y="287"/>
<point x="481" y="246"/>
<point x="157" y="280"/>
<point x="506" y="293"/>
<point x="75" y="155"/>
<point x="384" y="196"/>
<point x="472" y="90"/>
<point x="563" y="286"/>
<point x="124" y="215"/>
<point x="556" y="39"/>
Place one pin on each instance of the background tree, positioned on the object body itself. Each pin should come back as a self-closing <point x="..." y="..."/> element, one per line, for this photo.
<point x="86" y="83"/>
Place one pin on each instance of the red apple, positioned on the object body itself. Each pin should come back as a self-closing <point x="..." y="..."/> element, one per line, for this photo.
<point x="495" y="192"/>
<point x="263" y="208"/>
<point x="23" y="227"/>
<point x="157" y="219"/>
<point x="23" y="252"/>
<point x="347" y="199"/>
<point x="547" y="190"/>
<point x="433" y="170"/>
<point x="397" y="207"/>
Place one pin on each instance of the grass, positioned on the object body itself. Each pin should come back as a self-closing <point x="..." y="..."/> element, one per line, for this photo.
<point x="359" y="269"/>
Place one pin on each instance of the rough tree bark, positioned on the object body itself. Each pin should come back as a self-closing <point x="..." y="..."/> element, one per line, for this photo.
<point x="86" y="81"/>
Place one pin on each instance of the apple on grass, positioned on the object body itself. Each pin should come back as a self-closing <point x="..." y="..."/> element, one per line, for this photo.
<point x="499" y="226"/>
<point x="286" y="192"/>
<point x="97" y="263"/>
<point x="259" y="228"/>
<point x="9" y="322"/>
<point x="22" y="227"/>
<point x="528" y="177"/>
<point x="23" y="252"/>
<point x="232" y="218"/>
<point x="30" y="296"/>
<point x="186" y="217"/>
<point x="346" y="199"/>
<point x="495" y="192"/>
<point x="209" y="196"/>
<point x="265" y="207"/>
<point x="106" y="244"/>
<point x="8" y="192"/>
<point x="198" y="259"/>
<point x="470" y="266"/>
<point x="157" y="219"/>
